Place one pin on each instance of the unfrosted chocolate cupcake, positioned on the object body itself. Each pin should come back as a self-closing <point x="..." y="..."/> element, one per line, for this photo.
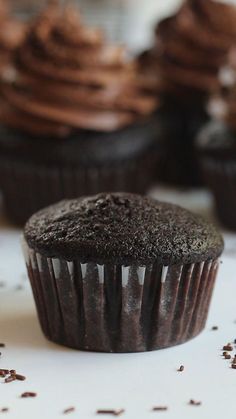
<point x="190" y="48"/>
<point x="121" y="272"/>
<point x="76" y="119"/>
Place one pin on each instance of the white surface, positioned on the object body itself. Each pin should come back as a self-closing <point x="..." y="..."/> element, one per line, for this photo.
<point x="136" y="382"/>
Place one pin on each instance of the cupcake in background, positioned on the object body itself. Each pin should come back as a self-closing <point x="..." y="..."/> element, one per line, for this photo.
<point x="216" y="146"/>
<point x="12" y="33"/>
<point x="190" y="48"/>
<point x="76" y="118"/>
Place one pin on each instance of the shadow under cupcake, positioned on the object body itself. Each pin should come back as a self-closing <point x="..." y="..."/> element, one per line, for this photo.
<point x="75" y="118"/>
<point x="121" y="272"/>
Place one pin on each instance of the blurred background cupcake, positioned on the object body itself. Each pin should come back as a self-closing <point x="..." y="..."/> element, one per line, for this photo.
<point x="190" y="48"/>
<point x="216" y="146"/>
<point x="12" y="32"/>
<point x="75" y="117"/>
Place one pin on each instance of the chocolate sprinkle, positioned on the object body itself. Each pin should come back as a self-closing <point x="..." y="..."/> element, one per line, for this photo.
<point x="4" y="410"/>
<point x="215" y="328"/>
<point x="110" y="412"/>
<point x="228" y="347"/>
<point x="28" y="394"/>
<point x="19" y="377"/>
<point x="181" y="368"/>
<point x="227" y="356"/>
<point x="234" y="366"/>
<point x="68" y="410"/>
<point x="10" y="379"/>
<point x="194" y="403"/>
<point x="159" y="408"/>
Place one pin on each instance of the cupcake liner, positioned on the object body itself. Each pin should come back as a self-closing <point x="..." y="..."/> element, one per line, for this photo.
<point x="27" y="188"/>
<point x="220" y="177"/>
<point x="115" y="308"/>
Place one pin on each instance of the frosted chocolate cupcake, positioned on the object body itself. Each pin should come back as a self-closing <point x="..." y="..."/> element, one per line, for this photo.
<point x="216" y="145"/>
<point x="12" y="33"/>
<point x="77" y="119"/>
<point x="121" y="272"/>
<point x="189" y="50"/>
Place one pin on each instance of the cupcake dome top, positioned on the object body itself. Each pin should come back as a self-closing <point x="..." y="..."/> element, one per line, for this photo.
<point x="124" y="229"/>
<point x="191" y="46"/>
<point x="66" y="77"/>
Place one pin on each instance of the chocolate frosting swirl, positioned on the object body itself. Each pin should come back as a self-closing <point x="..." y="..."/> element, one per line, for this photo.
<point x="191" y="46"/>
<point x="66" y="78"/>
<point x="12" y="33"/>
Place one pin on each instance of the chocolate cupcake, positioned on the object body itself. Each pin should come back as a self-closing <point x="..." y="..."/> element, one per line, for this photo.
<point x="120" y="272"/>
<point x="76" y="119"/>
<point x="12" y="32"/>
<point x="216" y="146"/>
<point x="190" y="48"/>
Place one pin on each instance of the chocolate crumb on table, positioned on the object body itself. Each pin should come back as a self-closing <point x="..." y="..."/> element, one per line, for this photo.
<point x="68" y="410"/>
<point x="4" y="410"/>
<point x="10" y="379"/>
<point x="215" y="328"/>
<point x="181" y="368"/>
<point x="19" y="377"/>
<point x="28" y="394"/>
<point x="159" y="408"/>
<point x="110" y="412"/>
<point x="228" y="347"/>
<point x="192" y="402"/>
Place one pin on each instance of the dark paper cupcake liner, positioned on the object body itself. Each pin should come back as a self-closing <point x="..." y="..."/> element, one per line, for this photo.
<point x="115" y="308"/>
<point x="27" y="188"/>
<point x="220" y="176"/>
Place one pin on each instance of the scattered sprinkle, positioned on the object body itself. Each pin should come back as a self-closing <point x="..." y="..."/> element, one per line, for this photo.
<point x="234" y="366"/>
<point x="28" y="394"/>
<point x="194" y="403"/>
<point x="68" y="410"/>
<point x="215" y="328"/>
<point x="110" y="412"/>
<point x="159" y="408"/>
<point x="4" y="410"/>
<point x="181" y="368"/>
<point x="10" y="379"/>
<point x="227" y="356"/>
<point x="228" y="347"/>
<point x="19" y="377"/>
